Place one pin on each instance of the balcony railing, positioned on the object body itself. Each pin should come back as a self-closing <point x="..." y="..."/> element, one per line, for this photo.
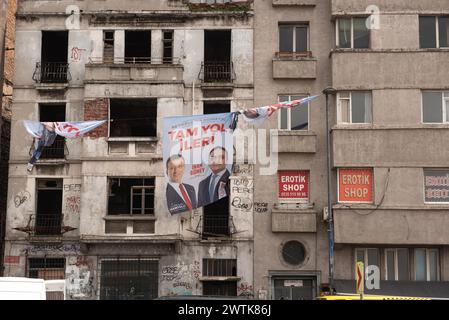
<point x="217" y="71"/>
<point x="216" y="225"/>
<point x="52" y="72"/>
<point x="45" y="224"/>
<point x="56" y="150"/>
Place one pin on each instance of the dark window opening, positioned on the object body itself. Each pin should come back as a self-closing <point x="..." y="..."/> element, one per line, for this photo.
<point x="49" y="207"/>
<point x="217" y="56"/>
<point x="53" y="113"/>
<point x="133" y="118"/>
<point x="129" y="279"/>
<point x="137" y="46"/>
<point x="427" y="32"/>
<point x="216" y="218"/>
<point x="168" y="46"/>
<point x="294" y="252"/>
<point x="46" y="268"/>
<point x="108" y="46"/>
<point x="219" y="267"/>
<point x="54" y="66"/>
<point x="212" y="107"/>
<point x="131" y="196"/>
<point x="220" y="288"/>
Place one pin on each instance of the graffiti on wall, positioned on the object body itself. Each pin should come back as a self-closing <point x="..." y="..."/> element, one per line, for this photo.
<point x="72" y="187"/>
<point x="80" y="278"/>
<point x="73" y="204"/>
<point x="77" y="54"/>
<point x="260" y="207"/>
<point x="180" y="278"/>
<point x="245" y="289"/>
<point x="49" y="248"/>
<point x="21" y="198"/>
<point x="242" y="169"/>
<point x="242" y="193"/>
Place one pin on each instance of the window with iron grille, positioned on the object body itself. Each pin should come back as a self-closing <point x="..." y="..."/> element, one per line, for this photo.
<point x="129" y="279"/>
<point x="131" y="196"/>
<point x="46" y="268"/>
<point x="219" y="267"/>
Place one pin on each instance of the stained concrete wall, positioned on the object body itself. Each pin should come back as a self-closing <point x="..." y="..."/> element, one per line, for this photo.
<point x="267" y="254"/>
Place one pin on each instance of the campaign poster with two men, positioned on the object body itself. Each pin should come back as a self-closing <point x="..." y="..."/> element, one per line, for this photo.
<point x="197" y="155"/>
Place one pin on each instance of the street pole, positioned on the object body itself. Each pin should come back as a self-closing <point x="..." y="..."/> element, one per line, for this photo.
<point x="330" y="227"/>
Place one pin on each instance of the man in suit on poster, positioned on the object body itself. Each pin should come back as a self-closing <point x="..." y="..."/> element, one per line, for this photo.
<point x="181" y="197"/>
<point x="216" y="185"/>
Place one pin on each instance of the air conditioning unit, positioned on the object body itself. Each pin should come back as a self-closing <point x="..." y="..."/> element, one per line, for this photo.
<point x="325" y="214"/>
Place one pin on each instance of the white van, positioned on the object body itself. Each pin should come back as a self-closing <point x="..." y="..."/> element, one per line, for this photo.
<point x="13" y="288"/>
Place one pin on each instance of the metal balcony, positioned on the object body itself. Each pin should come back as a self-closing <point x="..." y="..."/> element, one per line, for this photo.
<point x="216" y="225"/>
<point x="52" y="72"/>
<point x="45" y="224"/>
<point x="217" y="71"/>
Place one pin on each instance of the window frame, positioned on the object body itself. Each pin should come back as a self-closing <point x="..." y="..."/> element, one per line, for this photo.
<point x="289" y="115"/>
<point x="444" y="100"/>
<point x="339" y="107"/>
<point x="294" y="25"/>
<point x="142" y="195"/>
<point x="437" y="33"/>
<point x="427" y="251"/>
<point x="130" y="213"/>
<point x="396" y="263"/>
<point x="337" y="32"/>
<point x="171" y="42"/>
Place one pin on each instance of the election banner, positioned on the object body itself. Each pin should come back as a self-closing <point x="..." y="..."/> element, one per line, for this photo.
<point x="197" y="155"/>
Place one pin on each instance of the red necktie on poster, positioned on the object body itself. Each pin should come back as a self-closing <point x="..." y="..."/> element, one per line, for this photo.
<point x="186" y="197"/>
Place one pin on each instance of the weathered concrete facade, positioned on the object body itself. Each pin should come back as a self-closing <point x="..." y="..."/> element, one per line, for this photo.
<point x="298" y="150"/>
<point x="396" y="145"/>
<point x="92" y="238"/>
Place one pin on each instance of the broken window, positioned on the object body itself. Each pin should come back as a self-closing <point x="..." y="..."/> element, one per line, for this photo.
<point x="46" y="268"/>
<point x="48" y="220"/>
<point x="167" y="41"/>
<point x="212" y="107"/>
<point x="216" y="219"/>
<point x="137" y="46"/>
<point x="217" y="56"/>
<point x="108" y="46"/>
<point x="293" y="39"/>
<point x="133" y="117"/>
<point x="129" y="279"/>
<point x="53" y="113"/>
<point x="131" y="196"/>
<point x="53" y="67"/>
<point x="219" y="267"/>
